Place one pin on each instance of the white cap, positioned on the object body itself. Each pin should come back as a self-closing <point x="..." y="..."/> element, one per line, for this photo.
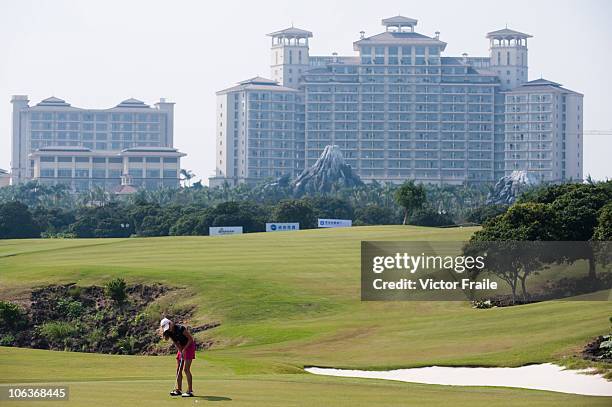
<point x="165" y="324"/>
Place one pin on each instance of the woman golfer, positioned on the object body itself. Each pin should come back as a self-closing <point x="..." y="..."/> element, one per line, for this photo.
<point x="185" y="344"/>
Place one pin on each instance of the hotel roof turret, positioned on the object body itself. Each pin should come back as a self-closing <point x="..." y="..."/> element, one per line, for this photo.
<point x="290" y="36"/>
<point x="399" y="23"/>
<point x="506" y="33"/>
<point x="507" y="37"/>
<point x="399" y="30"/>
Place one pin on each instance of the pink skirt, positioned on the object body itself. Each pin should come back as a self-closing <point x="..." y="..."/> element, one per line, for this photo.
<point x="188" y="352"/>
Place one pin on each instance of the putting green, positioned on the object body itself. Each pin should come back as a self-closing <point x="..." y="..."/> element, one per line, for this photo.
<point x="286" y="300"/>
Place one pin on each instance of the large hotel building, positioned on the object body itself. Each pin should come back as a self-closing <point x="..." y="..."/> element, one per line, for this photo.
<point x="400" y="110"/>
<point x="124" y="148"/>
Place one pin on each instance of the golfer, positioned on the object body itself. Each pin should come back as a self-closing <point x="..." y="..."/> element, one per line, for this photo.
<point x="183" y="340"/>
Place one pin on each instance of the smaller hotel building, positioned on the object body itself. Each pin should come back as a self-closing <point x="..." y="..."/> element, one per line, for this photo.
<point x="130" y="145"/>
<point x="83" y="169"/>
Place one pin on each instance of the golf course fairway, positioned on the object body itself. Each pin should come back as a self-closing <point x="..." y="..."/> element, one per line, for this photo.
<point x="285" y="301"/>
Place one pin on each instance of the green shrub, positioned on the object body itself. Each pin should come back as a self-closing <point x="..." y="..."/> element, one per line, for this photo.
<point x="112" y="333"/>
<point x="57" y="332"/>
<point x="116" y="290"/>
<point x="95" y="337"/>
<point x="70" y="308"/>
<point x="482" y="214"/>
<point x="140" y="318"/>
<point x="12" y="316"/>
<point x="127" y="345"/>
<point x="7" y="340"/>
<point x="429" y="216"/>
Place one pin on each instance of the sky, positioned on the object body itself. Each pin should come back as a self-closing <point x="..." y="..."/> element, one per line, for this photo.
<point x="97" y="53"/>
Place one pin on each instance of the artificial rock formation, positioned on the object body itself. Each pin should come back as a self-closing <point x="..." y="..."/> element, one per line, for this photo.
<point x="330" y="172"/>
<point x="508" y="188"/>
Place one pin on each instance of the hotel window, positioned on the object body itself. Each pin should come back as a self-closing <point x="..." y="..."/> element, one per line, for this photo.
<point x="135" y="172"/>
<point x="153" y="173"/>
<point x="393" y="59"/>
<point x="47" y="172"/>
<point x="64" y="173"/>
<point x="64" y="159"/>
<point x="379" y="57"/>
<point x="81" y="173"/>
<point x="407" y="55"/>
<point x="366" y="55"/>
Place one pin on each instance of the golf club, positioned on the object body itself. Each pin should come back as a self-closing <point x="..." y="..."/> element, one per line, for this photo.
<point x="178" y="371"/>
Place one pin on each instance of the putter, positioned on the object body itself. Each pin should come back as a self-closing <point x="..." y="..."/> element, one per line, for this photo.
<point x="178" y="371"/>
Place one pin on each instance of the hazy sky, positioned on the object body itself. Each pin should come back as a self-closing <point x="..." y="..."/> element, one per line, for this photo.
<point x="95" y="53"/>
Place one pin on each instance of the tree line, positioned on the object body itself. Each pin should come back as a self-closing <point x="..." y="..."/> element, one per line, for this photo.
<point x="33" y="209"/>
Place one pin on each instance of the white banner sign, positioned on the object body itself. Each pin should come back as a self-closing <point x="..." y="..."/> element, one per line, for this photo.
<point x="335" y="223"/>
<point x="224" y="230"/>
<point x="282" y="227"/>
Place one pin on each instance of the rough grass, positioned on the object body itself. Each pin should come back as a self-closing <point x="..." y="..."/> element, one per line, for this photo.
<point x="287" y="300"/>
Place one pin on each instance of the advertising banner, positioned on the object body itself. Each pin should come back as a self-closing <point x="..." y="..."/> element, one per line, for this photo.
<point x="224" y="230"/>
<point x="282" y="227"/>
<point x="335" y="223"/>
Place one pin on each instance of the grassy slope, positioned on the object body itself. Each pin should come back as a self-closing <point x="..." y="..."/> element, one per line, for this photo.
<point x="289" y="300"/>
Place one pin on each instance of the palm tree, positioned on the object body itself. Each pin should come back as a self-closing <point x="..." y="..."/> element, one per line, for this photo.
<point x="186" y="176"/>
<point x="58" y="192"/>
